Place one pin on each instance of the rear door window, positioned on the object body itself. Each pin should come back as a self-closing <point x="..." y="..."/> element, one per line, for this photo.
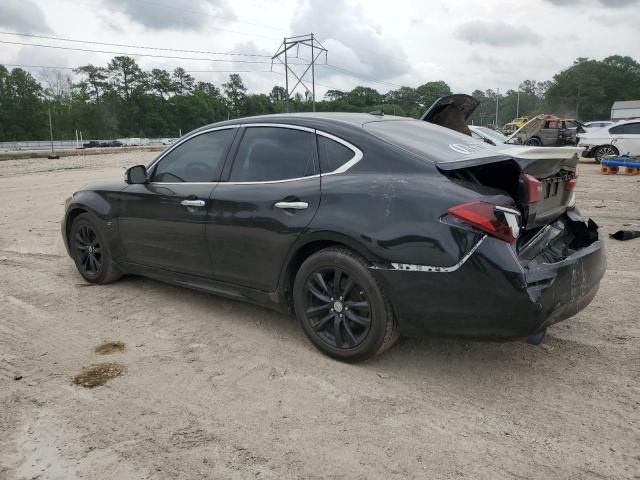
<point x="273" y="153"/>
<point x="632" y="128"/>
<point x="333" y="154"/>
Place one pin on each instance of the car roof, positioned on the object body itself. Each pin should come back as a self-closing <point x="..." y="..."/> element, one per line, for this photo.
<point x="314" y="119"/>
<point x="624" y="122"/>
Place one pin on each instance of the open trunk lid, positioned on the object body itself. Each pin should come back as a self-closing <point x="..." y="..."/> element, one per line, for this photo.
<point x="551" y="171"/>
<point x="452" y="111"/>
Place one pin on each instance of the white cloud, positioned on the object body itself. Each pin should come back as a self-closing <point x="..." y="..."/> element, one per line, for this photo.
<point x="22" y="16"/>
<point x="496" y="33"/>
<point x="176" y="15"/>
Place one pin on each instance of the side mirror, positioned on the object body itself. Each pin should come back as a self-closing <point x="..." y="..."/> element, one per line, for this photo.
<point x="137" y="174"/>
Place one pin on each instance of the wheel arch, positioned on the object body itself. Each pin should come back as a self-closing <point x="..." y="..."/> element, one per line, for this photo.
<point x="307" y="246"/>
<point x="72" y="214"/>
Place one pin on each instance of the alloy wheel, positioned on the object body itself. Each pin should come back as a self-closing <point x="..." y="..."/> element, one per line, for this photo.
<point x="337" y="308"/>
<point x="88" y="250"/>
<point x="605" y="152"/>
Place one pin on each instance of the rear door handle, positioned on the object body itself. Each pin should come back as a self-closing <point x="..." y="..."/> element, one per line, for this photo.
<point x="292" y="205"/>
<point x="193" y="203"/>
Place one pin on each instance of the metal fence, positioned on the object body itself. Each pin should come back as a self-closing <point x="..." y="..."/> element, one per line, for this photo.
<point x="71" y="144"/>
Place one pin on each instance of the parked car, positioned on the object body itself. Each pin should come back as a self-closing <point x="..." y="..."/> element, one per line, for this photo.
<point x="363" y="226"/>
<point x="488" y="135"/>
<point x="515" y="124"/>
<point x="548" y="131"/>
<point x="111" y="143"/>
<point x="598" y="124"/>
<point x="621" y="138"/>
<point x="91" y="144"/>
<point x="167" y="141"/>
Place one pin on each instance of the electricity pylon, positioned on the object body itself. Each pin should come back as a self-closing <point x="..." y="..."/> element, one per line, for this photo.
<point x="317" y="49"/>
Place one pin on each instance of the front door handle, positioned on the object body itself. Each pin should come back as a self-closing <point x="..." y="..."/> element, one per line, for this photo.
<point x="292" y="205"/>
<point x="193" y="203"/>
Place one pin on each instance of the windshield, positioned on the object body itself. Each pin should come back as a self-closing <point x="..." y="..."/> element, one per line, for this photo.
<point x="497" y="137"/>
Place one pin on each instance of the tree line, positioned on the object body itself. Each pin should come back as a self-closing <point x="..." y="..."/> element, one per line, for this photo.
<point x="122" y="100"/>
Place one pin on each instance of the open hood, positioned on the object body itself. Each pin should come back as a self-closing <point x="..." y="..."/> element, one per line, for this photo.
<point x="452" y="112"/>
<point x="529" y="129"/>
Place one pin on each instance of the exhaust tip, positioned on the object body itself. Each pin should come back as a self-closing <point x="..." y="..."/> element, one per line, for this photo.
<point x="536" y="338"/>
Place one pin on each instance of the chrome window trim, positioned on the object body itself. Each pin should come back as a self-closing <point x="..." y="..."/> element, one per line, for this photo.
<point x="272" y="181"/>
<point x="358" y="155"/>
<point x="236" y="183"/>
<point x="346" y="166"/>
<point x="279" y="125"/>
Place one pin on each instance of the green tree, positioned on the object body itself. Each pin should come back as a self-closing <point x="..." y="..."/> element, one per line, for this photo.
<point x="235" y="94"/>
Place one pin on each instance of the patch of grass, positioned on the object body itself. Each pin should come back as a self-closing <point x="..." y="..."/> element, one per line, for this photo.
<point x="110" y="347"/>
<point x="97" y="375"/>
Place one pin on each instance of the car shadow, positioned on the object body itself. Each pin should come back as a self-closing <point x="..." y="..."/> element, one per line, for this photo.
<point x="453" y="360"/>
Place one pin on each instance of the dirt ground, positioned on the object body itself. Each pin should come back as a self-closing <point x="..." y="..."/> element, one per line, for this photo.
<point x="212" y="388"/>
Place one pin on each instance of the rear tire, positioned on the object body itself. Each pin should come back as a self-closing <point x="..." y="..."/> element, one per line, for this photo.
<point x="90" y="251"/>
<point x="341" y="307"/>
<point x="604" y="150"/>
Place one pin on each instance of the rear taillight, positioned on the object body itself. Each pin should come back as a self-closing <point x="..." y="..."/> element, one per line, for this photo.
<point x="534" y="188"/>
<point x="496" y="221"/>
<point x="571" y="183"/>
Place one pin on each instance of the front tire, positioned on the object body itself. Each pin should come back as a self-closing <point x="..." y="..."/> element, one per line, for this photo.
<point x="534" y="142"/>
<point x="604" y="150"/>
<point x="90" y="251"/>
<point x="341" y="307"/>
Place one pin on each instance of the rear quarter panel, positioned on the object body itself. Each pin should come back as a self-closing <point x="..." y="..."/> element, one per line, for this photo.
<point x="396" y="217"/>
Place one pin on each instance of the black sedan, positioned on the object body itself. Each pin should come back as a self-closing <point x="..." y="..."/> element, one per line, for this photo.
<point x="363" y="226"/>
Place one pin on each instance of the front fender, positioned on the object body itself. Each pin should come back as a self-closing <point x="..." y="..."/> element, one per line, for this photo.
<point x="102" y="207"/>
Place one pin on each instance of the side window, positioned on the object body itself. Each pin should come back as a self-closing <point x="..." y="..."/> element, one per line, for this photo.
<point x="632" y="128"/>
<point x="199" y="159"/>
<point x="272" y="153"/>
<point x="617" y="130"/>
<point x="332" y="154"/>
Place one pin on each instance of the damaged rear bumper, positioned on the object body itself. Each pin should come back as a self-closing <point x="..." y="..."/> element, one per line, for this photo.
<point x="494" y="294"/>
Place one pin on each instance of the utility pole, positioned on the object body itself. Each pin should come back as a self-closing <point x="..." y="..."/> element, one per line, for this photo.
<point x="518" y="105"/>
<point x="497" y="102"/>
<point x="317" y="49"/>
<point x="53" y="154"/>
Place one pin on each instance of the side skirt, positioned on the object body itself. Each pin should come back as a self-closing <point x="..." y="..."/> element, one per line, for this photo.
<point x="268" y="300"/>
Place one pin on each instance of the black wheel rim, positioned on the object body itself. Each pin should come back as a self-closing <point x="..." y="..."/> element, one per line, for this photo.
<point x="88" y="250"/>
<point x="337" y="308"/>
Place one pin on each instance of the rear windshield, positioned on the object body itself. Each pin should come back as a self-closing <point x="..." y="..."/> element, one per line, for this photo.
<point x="429" y="141"/>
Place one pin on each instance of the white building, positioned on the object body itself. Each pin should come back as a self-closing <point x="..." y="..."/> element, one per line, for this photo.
<point x="625" y="110"/>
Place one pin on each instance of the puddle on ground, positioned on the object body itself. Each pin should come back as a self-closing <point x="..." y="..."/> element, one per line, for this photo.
<point x="96" y="375"/>
<point x="110" y="347"/>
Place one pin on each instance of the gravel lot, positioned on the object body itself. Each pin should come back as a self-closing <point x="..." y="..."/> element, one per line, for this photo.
<point x="213" y="388"/>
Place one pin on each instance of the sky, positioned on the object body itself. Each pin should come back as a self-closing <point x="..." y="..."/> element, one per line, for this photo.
<point x="382" y="44"/>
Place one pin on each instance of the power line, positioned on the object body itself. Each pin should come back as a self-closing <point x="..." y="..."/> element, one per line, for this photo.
<point x="15" y="65"/>
<point x="199" y="14"/>
<point x="133" y="54"/>
<point x="143" y="47"/>
<point x="358" y="75"/>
